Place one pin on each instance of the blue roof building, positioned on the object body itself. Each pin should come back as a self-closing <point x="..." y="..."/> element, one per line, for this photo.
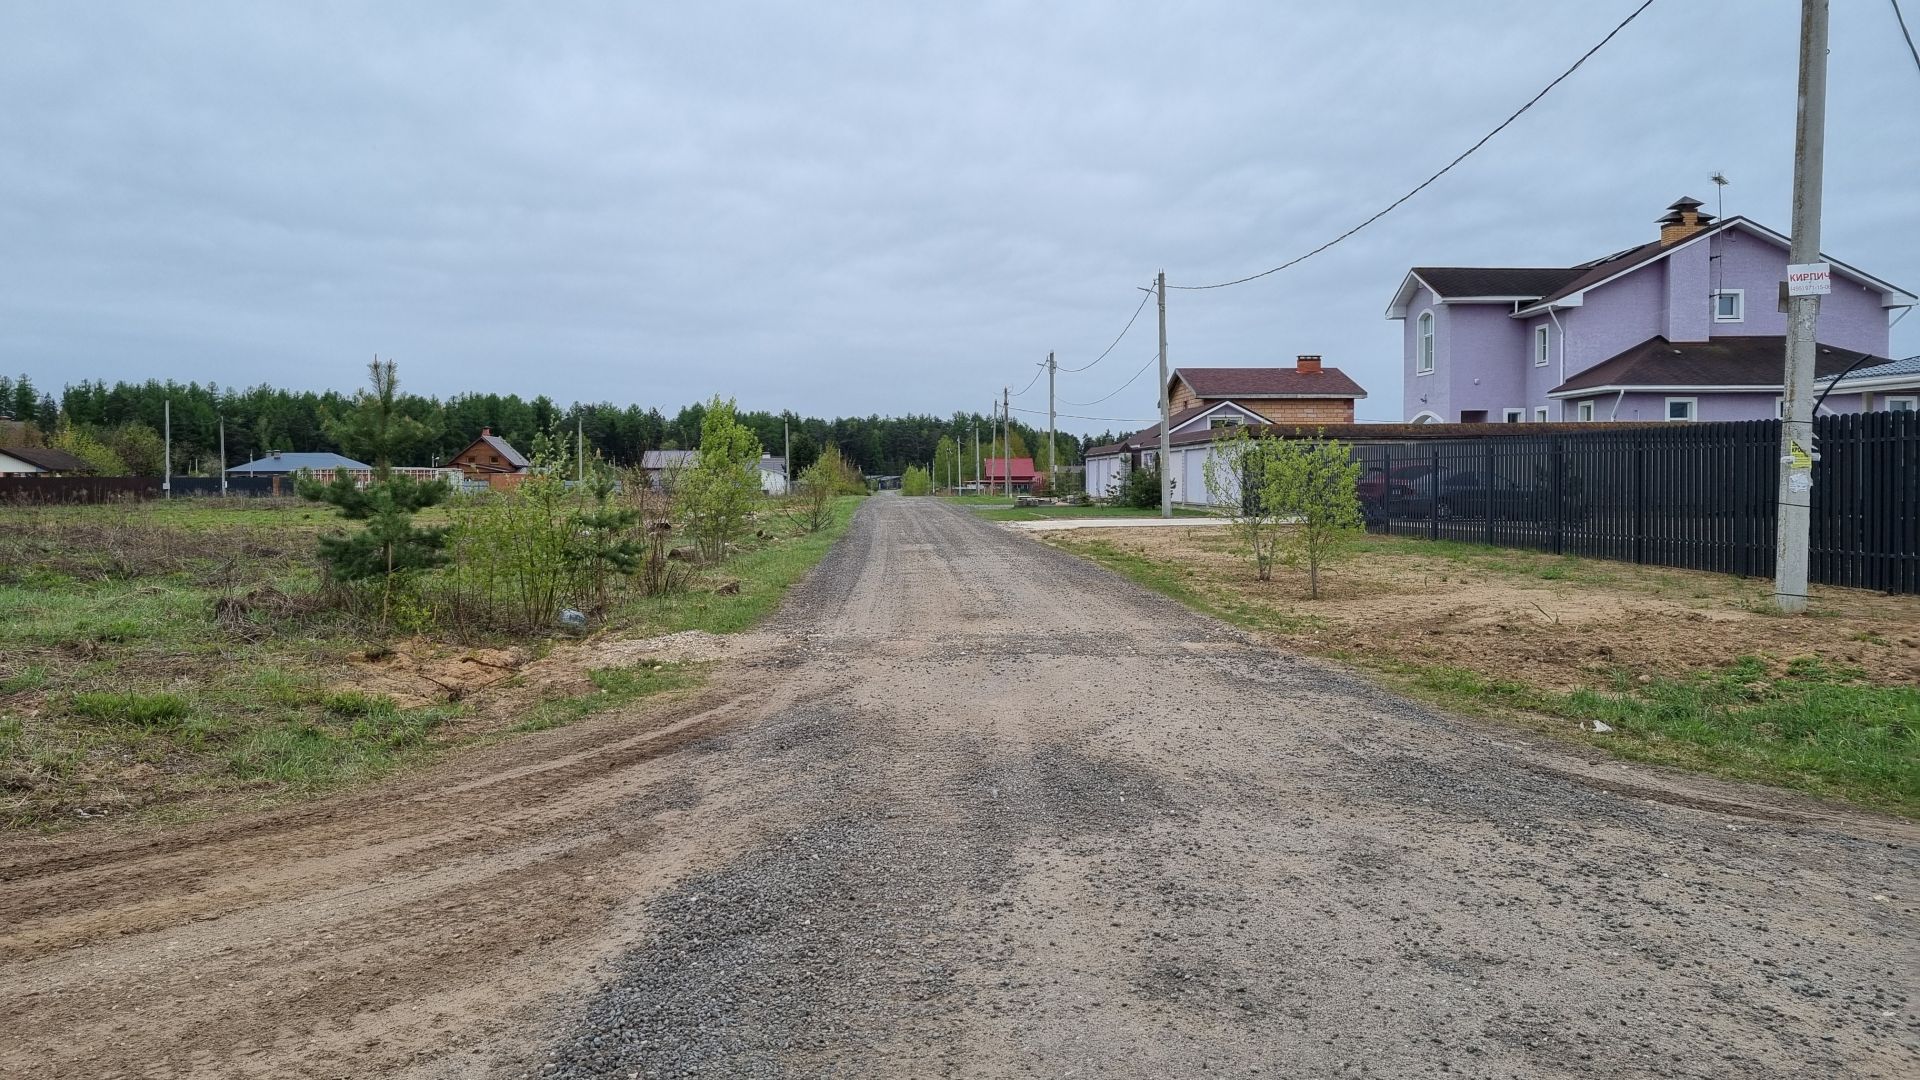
<point x="280" y="463"/>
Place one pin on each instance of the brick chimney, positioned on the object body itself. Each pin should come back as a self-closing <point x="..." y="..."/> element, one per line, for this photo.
<point x="1307" y="365"/>
<point x="1683" y="219"/>
<point x="485" y="431"/>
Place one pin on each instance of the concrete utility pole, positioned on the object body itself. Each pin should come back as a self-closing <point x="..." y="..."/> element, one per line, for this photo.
<point x="786" y="480"/>
<point x="1051" y="463"/>
<point x="1803" y="315"/>
<point x="166" y="452"/>
<point x="579" y="449"/>
<point x="976" y="453"/>
<point x="223" y="455"/>
<point x="1166" y="413"/>
<point x="1006" y="441"/>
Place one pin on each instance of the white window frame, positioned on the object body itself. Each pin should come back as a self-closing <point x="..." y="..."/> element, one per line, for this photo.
<point x="1779" y="408"/>
<point x="1513" y="416"/>
<point x="1739" y="305"/>
<point x="1542" y="345"/>
<point x="1693" y="410"/>
<point x="1540" y="414"/>
<point x="1423" y="343"/>
<point x="1584" y="410"/>
<point x="1911" y="401"/>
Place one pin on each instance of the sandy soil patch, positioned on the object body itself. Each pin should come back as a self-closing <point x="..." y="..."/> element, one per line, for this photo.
<point x="1547" y="620"/>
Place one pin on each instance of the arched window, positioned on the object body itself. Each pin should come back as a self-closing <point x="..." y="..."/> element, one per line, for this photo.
<point x="1424" y="361"/>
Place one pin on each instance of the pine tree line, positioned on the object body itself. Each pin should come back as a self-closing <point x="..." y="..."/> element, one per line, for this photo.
<point x="119" y="425"/>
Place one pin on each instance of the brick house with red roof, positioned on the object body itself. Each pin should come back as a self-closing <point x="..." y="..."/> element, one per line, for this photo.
<point x="1206" y="401"/>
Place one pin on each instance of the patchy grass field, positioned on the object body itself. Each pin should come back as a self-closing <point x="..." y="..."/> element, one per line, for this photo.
<point x="1688" y="669"/>
<point x="172" y="658"/>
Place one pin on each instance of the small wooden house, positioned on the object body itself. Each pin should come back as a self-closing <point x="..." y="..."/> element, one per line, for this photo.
<point x="491" y="459"/>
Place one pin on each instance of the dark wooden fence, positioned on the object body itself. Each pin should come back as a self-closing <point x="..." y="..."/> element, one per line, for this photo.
<point x="1699" y="496"/>
<point x="107" y="489"/>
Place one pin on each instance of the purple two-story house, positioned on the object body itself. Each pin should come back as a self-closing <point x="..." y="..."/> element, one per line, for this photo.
<point x="1686" y="327"/>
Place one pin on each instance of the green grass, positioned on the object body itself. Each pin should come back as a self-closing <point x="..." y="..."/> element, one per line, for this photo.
<point x="149" y="711"/>
<point x="613" y="687"/>
<point x="765" y="574"/>
<point x="104" y="609"/>
<point x="307" y="754"/>
<point x="1810" y="727"/>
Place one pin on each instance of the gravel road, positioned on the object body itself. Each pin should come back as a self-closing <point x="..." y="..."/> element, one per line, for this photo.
<point x="971" y="807"/>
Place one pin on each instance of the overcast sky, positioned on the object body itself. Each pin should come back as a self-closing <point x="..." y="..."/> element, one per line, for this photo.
<point x="849" y="208"/>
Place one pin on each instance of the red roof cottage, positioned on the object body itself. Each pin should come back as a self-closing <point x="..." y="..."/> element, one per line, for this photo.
<point x="995" y="470"/>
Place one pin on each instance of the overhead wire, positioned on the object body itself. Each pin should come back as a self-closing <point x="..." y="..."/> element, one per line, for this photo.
<point x="1116" y="341"/>
<point x="1468" y="152"/>
<point x="1151" y="360"/>
<point x="1076" y="416"/>
<point x="1904" y="33"/>
<point x="1035" y="379"/>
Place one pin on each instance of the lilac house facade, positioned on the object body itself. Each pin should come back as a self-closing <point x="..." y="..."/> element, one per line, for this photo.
<point x="1683" y="328"/>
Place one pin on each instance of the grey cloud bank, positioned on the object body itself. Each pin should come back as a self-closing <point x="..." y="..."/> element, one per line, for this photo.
<point x="858" y="208"/>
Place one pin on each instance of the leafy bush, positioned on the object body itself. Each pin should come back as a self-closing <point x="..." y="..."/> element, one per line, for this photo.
<point x="916" y="481"/>
<point x="718" y="493"/>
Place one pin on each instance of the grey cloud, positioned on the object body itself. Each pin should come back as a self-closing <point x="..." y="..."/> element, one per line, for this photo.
<point x="858" y="207"/>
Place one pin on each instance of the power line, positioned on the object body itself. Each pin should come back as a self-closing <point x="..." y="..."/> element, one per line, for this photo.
<point x="1116" y="341"/>
<point x="1123" y="386"/>
<point x="1904" y="33"/>
<point x="1584" y="57"/>
<point x="1076" y="416"/>
<point x="1035" y="379"/>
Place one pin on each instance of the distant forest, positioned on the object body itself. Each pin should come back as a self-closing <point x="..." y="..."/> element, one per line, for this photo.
<point x="121" y="424"/>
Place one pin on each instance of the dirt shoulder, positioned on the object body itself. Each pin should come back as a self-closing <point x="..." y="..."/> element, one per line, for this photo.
<point x="1520" y="633"/>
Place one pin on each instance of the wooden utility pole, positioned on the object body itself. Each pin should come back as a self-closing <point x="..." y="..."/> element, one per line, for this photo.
<point x="579" y="449"/>
<point x="223" y="455"/>
<point x="1803" y="315"/>
<point x="166" y="454"/>
<point x="1166" y="412"/>
<point x="786" y="430"/>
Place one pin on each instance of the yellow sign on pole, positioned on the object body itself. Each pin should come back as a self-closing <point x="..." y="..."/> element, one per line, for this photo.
<point x="1798" y="458"/>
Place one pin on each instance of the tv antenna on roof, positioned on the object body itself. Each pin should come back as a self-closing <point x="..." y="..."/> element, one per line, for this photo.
<point x="1720" y="183"/>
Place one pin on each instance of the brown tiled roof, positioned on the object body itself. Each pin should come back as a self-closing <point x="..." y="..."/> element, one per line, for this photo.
<point x="1601" y="269"/>
<point x="47" y="458"/>
<point x="1724" y="361"/>
<point x="1269" y="382"/>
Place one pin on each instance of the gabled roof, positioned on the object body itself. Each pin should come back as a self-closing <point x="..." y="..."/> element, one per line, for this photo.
<point x="773" y="463"/>
<point x="667" y="459"/>
<point x="1535" y="288"/>
<point x="1148" y="438"/>
<point x="1724" y="363"/>
<point x="1214" y="383"/>
<point x="499" y="446"/>
<point x="995" y="468"/>
<point x="46" y="458"/>
<point x="1481" y="284"/>
<point x="292" y="462"/>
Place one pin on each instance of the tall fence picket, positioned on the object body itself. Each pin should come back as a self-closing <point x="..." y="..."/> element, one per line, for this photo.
<point x="1697" y="496"/>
